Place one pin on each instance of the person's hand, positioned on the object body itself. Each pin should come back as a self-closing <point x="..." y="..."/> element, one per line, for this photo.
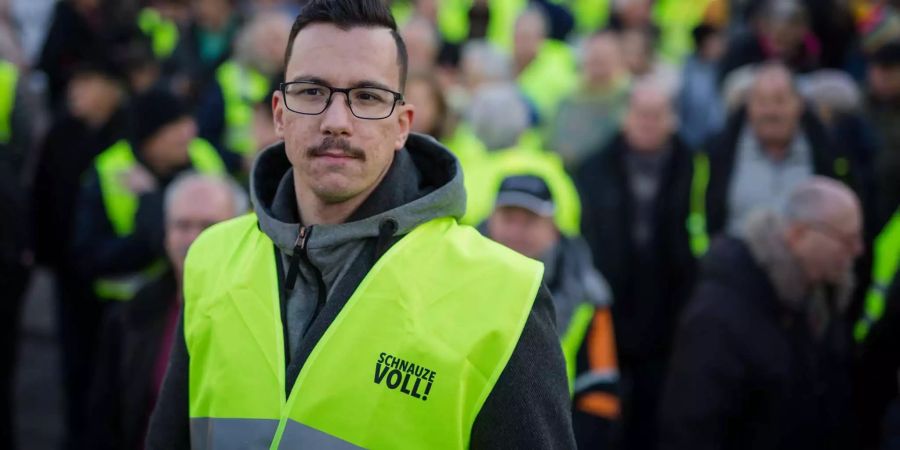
<point x="139" y="180"/>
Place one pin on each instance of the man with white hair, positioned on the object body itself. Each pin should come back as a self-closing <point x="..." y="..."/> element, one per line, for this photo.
<point x="761" y="357"/>
<point x="635" y="198"/>
<point x="137" y="335"/>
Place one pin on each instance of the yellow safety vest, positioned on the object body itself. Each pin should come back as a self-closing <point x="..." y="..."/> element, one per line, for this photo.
<point x="884" y="271"/>
<point x="528" y="158"/>
<point x="473" y="160"/>
<point x="242" y="89"/>
<point x="121" y="205"/>
<point x="550" y="78"/>
<point x="453" y="20"/>
<point x="676" y="20"/>
<point x="407" y="363"/>
<point x="163" y="33"/>
<point x="9" y="77"/>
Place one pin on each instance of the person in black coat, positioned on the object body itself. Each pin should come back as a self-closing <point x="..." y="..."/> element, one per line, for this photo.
<point x="137" y="335"/>
<point x="635" y="195"/>
<point x="762" y="356"/>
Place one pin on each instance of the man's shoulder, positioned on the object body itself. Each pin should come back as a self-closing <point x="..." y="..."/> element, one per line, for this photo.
<point x="224" y="235"/>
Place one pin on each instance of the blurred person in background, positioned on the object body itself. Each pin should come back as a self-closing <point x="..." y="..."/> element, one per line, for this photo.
<point x="76" y="33"/>
<point x="882" y="103"/>
<point x="423" y="44"/>
<point x="588" y="118"/>
<point x="137" y="336"/>
<point x="771" y="145"/>
<point x="639" y="48"/>
<point x="93" y="120"/>
<point x="225" y="115"/>
<point x="118" y="241"/>
<point x="700" y="107"/>
<point x="780" y="31"/>
<point x="545" y="69"/>
<point x="762" y="355"/>
<point x="481" y="63"/>
<point x="15" y="246"/>
<point x="204" y="46"/>
<point x="635" y="195"/>
<point x="523" y="219"/>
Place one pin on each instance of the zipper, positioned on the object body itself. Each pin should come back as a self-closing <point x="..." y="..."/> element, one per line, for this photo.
<point x="299" y="248"/>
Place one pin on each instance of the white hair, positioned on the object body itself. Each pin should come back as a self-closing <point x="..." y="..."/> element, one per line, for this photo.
<point x="239" y="199"/>
<point x="491" y="62"/>
<point x="499" y="115"/>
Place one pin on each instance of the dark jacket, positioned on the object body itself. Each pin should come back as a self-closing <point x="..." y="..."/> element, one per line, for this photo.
<point x="522" y="411"/>
<point x="66" y="154"/>
<point x="188" y="64"/>
<point x="746" y="373"/>
<point x="123" y="392"/>
<point x="878" y="370"/>
<point x="649" y="290"/>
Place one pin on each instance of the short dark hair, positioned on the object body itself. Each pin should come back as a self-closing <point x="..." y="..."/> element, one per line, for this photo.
<point x="346" y="14"/>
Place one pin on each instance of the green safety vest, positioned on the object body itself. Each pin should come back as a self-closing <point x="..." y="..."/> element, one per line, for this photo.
<point x="676" y="20"/>
<point x="884" y="270"/>
<point x="527" y="158"/>
<point x="402" y="10"/>
<point x="163" y="33"/>
<point x="406" y="364"/>
<point x="550" y="78"/>
<point x="453" y="20"/>
<point x="573" y="337"/>
<point x="473" y="160"/>
<point x="242" y="89"/>
<point x="9" y="77"/>
<point x="121" y="205"/>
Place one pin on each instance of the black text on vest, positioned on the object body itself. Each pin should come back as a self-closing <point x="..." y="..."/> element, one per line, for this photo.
<point x="412" y="379"/>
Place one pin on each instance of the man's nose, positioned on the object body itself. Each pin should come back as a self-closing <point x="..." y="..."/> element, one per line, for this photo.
<point x="337" y="119"/>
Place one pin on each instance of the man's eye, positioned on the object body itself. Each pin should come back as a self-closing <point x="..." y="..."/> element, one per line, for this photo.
<point x="311" y="92"/>
<point x="369" y="96"/>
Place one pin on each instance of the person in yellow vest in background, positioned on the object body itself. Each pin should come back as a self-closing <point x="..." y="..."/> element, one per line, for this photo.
<point x="159" y="22"/>
<point x="225" y="116"/>
<point x="544" y="68"/>
<point x="523" y="219"/>
<point x="118" y="239"/>
<point x="351" y="310"/>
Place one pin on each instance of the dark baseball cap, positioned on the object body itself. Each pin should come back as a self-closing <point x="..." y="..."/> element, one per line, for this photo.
<point x="527" y="192"/>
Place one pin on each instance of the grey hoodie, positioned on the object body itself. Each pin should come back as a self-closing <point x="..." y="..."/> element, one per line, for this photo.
<point x="528" y="408"/>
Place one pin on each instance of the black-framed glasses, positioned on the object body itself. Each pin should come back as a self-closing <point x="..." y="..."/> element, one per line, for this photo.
<point x="370" y="103"/>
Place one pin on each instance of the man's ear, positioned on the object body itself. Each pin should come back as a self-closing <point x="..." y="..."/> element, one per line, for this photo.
<point x="278" y="113"/>
<point x="404" y="119"/>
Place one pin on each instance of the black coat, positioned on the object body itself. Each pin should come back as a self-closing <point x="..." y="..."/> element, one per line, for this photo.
<point x="746" y="373"/>
<point x="123" y="391"/>
<point x="878" y="370"/>
<point x="648" y="293"/>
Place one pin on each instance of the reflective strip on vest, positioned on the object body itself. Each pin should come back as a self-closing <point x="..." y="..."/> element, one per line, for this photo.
<point x="242" y="89"/>
<point x="121" y="206"/>
<point x="9" y="77"/>
<point x="163" y="33"/>
<point x="696" y="222"/>
<point x="407" y="363"/>
<point x="884" y="270"/>
<point x="574" y="337"/>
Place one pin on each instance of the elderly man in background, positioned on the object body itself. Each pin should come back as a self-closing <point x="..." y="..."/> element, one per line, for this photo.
<point x="761" y="358"/>
<point x="635" y="196"/>
<point x="768" y="148"/>
<point x="137" y="335"/>
<point x="590" y="117"/>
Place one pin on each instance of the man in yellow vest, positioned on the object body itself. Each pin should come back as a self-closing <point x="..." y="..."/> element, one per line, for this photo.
<point x="523" y="220"/>
<point x="351" y="310"/>
<point x="225" y="116"/>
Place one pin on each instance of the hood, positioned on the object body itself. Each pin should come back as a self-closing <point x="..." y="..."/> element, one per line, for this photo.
<point x="424" y="182"/>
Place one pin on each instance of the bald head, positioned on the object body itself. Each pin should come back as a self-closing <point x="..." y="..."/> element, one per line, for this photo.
<point x="774" y="108"/>
<point x="194" y="202"/>
<point x="261" y="42"/>
<point x="650" y="120"/>
<point x="422" y="44"/>
<point x="530" y="31"/>
<point x="823" y="228"/>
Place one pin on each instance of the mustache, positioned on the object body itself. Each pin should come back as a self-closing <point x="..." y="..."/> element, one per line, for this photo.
<point x="331" y="143"/>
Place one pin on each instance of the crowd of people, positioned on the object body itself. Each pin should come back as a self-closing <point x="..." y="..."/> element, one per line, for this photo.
<point x="713" y="187"/>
